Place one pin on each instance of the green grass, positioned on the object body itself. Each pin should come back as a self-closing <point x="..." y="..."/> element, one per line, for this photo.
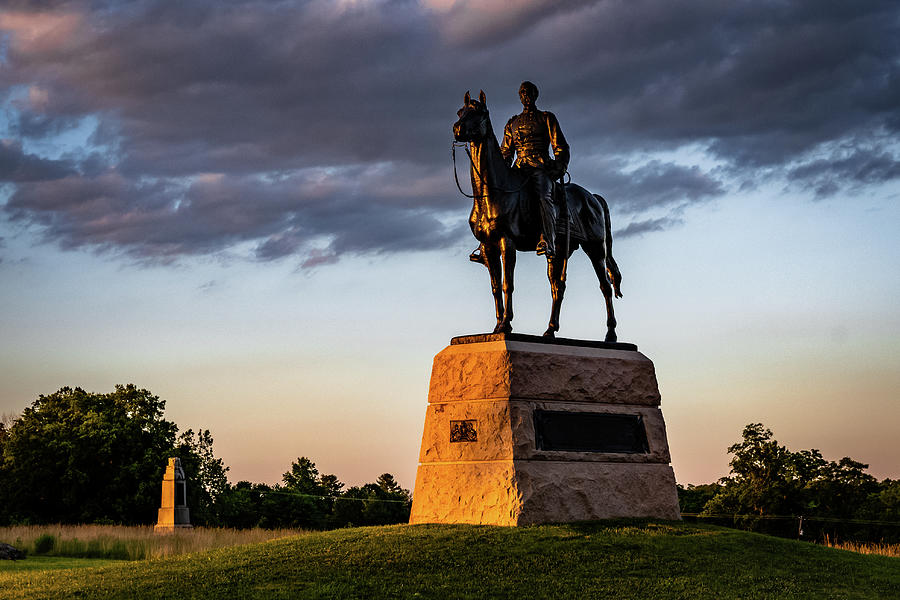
<point x="596" y="560"/>
<point x="45" y="563"/>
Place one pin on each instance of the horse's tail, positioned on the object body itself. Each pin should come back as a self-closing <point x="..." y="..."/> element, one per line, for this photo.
<point x="612" y="269"/>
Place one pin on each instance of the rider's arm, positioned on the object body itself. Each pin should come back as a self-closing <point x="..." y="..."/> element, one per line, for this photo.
<point x="559" y="144"/>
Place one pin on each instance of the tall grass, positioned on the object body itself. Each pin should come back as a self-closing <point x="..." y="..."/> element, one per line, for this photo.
<point x="865" y="547"/>
<point x="129" y="543"/>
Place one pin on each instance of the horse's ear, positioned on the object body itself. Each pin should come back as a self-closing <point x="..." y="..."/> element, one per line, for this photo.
<point x="467" y="99"/>
<point x="482" y="98"/>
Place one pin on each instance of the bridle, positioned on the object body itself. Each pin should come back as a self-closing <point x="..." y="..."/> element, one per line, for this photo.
<point x="454" y="144"/>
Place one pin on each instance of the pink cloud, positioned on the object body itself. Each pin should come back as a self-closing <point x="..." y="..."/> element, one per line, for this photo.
<point x="39" y="32"/>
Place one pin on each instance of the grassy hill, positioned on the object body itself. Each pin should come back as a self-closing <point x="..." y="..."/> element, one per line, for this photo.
<point x="590" y="560"/>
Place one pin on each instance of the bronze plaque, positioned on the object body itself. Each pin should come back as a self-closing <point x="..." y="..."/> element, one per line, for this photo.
<point x="463" y="431"/>
<point x="590" y="432"/>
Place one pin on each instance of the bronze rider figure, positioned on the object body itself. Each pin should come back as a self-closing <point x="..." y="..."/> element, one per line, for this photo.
<point x="528" y="136"/>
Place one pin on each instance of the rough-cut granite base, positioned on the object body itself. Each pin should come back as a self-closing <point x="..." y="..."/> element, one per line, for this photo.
<point x="529" y="492"/>
<point x="503" y="478"/>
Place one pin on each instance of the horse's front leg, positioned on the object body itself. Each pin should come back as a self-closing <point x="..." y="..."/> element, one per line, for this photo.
<point x="508" y="254"/>
<point x="491" y="254"/>
<point x="556" y="273"/>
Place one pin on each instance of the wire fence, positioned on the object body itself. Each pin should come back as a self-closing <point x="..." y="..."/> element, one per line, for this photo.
<point x="338" y="498"/>
<point x="811" y="528"/>
<point x="274" y="508"/>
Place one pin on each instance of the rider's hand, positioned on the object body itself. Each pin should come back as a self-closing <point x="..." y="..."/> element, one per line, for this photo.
<point x="556" y="170"/>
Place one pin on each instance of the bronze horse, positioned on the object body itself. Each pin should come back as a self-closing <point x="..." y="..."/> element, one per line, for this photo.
<point x="504" y="221"/>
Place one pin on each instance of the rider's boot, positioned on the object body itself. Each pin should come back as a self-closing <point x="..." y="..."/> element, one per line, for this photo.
<point x="548" y="215"/>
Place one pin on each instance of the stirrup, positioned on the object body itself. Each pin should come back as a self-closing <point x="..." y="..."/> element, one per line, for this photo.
<point x="477" y="256"/>
<point x="543" y="249"/>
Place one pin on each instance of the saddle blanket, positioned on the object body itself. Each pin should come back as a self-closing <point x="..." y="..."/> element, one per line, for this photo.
<point x="576" y="230"/>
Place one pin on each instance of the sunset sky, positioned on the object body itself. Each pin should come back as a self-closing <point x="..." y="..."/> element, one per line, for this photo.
<point x="248" y="208"/>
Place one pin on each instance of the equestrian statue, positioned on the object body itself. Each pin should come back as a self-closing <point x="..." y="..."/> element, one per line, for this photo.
<point x="522" y="206"/>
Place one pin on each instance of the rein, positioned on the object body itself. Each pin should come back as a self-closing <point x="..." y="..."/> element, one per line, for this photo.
<point x="453" y="146"/>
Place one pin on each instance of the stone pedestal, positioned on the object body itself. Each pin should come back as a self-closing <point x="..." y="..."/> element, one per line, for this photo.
<point x="173" y="511"/>
<point x="519" y="430"/>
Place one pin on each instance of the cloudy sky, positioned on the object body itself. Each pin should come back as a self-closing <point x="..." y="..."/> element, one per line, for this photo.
<point x="248" y="208"/>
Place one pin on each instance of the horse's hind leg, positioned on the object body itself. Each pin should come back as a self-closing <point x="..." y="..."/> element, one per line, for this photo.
<point x="557" y="276"/>
<point x="597" y="254"/>
<point x="491" y="254"/>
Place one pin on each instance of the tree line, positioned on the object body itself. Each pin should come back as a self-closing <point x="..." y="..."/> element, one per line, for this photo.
<point x="80" y="457"/>
<point x="768" y="482"/>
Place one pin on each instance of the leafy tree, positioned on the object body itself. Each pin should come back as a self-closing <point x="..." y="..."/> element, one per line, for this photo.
<point x="761" y="479"/>
<point x="884" y="503"/>
<point x="304" y="481"/>
<point x="247" y="505"/>
<point x="379" y="503"/>
<point x="237" y="506"/>
<point x="838" y="489"/>
<point x="303" y="477"/>
<point x="693" y="498"/>
<point x="6" y="421"/>
<point x="75" y="456"/>
<point x="331" y="485"/>
<point x="390" y="486"/>
<point x="313" y="501"/>
<point x="767" y="480"/>
<point x="205" y="474"/>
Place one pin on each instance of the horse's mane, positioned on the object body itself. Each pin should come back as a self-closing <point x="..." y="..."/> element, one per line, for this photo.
<point x="500" y="170"/>
<point x="494" y="149"/>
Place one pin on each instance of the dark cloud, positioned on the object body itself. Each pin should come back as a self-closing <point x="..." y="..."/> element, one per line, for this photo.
<point x="638" y="228"/>
<point x="489" y="23"/>
<point x="759" y="83"/>
<point x="315" y="129"/>
<point x="18" y="166"/>
<point x="32" y="125"/>
<point x="310" y="212"/>
<point x="654" y="184"/>
<point x="864" y="166"/>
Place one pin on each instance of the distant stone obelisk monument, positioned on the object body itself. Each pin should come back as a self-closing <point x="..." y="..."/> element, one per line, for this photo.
<point x="524" y="429"/>
<point x="173" y="511"/>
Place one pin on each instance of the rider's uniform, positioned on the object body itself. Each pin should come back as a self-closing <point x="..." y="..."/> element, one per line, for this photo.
<point x="528" y="135"/>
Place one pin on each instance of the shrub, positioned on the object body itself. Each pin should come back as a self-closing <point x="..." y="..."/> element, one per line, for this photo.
<point x="44" y="543"/>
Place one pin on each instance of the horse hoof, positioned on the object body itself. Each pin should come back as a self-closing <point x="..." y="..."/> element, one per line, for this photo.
<point x="550" y="333"/>
<point x="611" y="336"/>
